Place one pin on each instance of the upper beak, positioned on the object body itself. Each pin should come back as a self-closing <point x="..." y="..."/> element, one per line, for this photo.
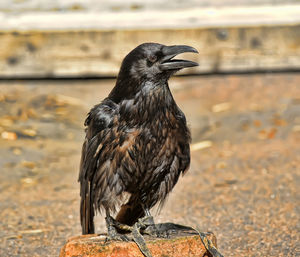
<point x="167" y="63"/>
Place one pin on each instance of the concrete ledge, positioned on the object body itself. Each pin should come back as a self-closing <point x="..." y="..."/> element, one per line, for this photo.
<point x="164" y="18"/>
<point x="91" y="245"/>
<point x="94" y="44"/>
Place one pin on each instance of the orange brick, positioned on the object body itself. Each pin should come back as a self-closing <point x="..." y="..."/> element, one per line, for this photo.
<point x="90" y="245"/>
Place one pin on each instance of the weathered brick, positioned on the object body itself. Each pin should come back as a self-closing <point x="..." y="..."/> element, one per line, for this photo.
<point x="91" y="245"/>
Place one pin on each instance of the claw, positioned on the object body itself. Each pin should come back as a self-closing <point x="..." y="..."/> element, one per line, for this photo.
<point x="140" y="241"/>
<point x="116" y="237"/>
<point x="210" y="247"/>
<point x="147" y="226"/>
<point x="113" y="234"/>
<point x="146" y="221"/>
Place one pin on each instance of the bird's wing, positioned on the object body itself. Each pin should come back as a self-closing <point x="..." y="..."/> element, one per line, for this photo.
<point x="107" y="162"/>
<point x="184" y="145"/>
<point x="86" y="205"/>
<point x="97" y="124"/>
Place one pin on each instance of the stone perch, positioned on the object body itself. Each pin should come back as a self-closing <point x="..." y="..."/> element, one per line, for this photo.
<point x="181" y="244"/>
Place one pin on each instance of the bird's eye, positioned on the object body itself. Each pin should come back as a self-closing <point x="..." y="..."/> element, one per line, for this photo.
<point x="152" y="58"/>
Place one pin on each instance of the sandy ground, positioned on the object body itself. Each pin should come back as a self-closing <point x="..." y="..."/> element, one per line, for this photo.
<point x="242" y="184"/>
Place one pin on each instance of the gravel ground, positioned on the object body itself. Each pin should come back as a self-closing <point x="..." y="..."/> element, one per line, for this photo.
<point x="242" y="184"/>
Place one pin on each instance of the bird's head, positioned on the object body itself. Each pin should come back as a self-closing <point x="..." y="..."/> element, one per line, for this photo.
<point x="149" y="62"/>
<point x="152" y="61"/>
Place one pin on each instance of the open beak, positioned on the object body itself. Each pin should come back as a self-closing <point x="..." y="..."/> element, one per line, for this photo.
<point x="168" y="63"/>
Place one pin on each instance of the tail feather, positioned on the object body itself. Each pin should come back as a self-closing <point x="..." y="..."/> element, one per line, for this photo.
<point x="87" y="214"/>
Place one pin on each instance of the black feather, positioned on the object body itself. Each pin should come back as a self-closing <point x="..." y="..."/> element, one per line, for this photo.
<point x="137" y="142"/>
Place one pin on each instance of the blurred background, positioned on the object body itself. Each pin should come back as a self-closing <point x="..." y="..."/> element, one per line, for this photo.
<point x="59" y="58"/>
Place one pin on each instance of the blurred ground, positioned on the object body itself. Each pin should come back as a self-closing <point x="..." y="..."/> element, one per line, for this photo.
<point x="242" y="184"/>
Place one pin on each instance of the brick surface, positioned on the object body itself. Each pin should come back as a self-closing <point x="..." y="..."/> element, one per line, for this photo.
<point x="93" y="245"/>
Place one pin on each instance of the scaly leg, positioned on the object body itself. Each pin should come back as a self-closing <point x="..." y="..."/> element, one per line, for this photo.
<point x="139" y="240"/>
<point x="112" y="232"/>
<point x="148" y="226"/>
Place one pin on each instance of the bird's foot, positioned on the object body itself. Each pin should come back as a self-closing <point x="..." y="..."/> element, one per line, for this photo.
<point x="139" y="239"/>
<point x="113" y="234"/>
<point x="145" y="222"/>
<point x="210" y="247"/>
<point x="148" y="227"/>
<point x="144" y="225"/>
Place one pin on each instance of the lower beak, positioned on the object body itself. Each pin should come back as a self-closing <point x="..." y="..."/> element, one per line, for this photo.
<point x="168" y="63"/>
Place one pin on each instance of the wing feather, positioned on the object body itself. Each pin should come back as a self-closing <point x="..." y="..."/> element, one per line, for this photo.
<point x="107" y="162"/>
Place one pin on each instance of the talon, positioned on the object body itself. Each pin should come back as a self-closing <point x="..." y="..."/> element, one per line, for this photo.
<point x="146" y="221"/>
<point x="147" y="226"/>
<point x="209" y="245"/>
<point x="163" y="234"/>
<point x="113" y="234"/>
<point x="139" y="240"/>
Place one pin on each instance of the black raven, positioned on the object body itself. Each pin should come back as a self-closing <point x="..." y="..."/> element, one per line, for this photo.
<point x="137" y="140"/>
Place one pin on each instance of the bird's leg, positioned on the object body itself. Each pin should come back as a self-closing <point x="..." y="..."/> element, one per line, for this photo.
<point x="147" y="220"/>
<point x="139" y="239"/>
<point x="112" y="232"/>
<point x="148" y="226"/>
